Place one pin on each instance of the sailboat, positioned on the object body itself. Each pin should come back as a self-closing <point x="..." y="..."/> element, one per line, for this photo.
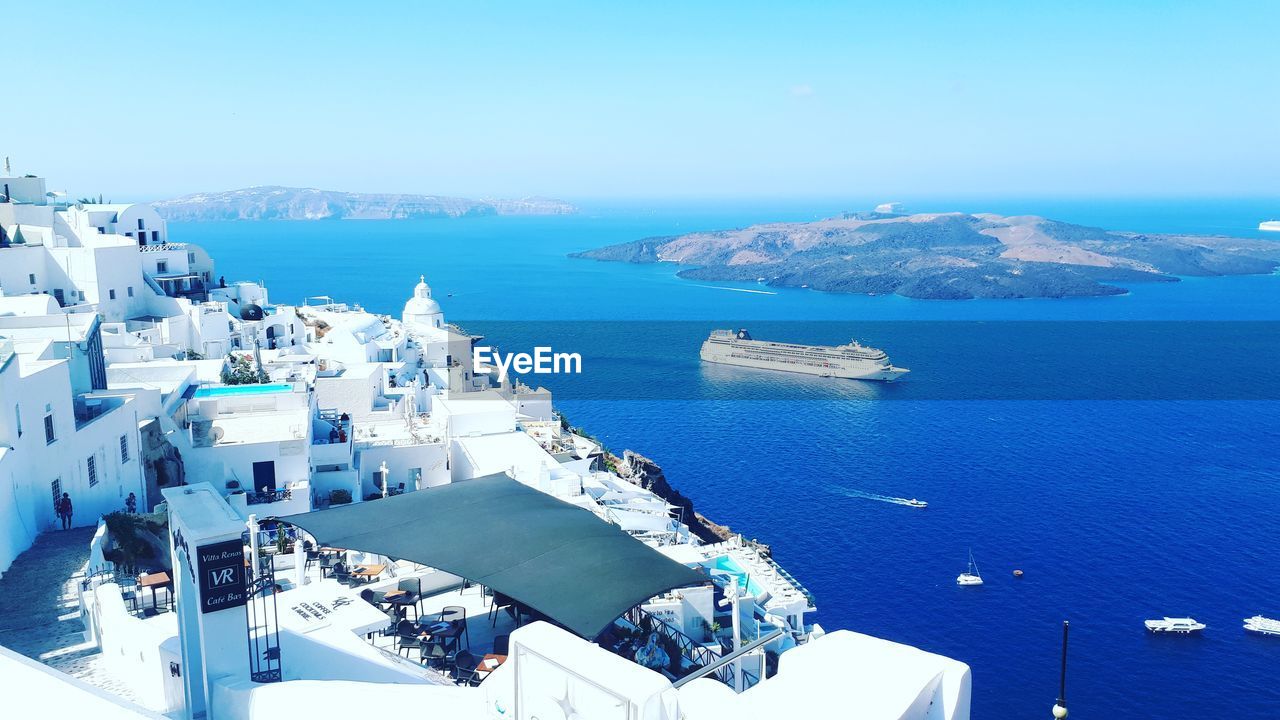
<point x="970" y="576"/>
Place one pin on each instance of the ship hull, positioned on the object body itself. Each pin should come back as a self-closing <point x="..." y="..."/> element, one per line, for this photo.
<point x="850" y="370"/>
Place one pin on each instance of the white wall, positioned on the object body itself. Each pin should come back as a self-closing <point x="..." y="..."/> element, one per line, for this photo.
<point x="28" y="465"/>
<point x="401" y="462"/>
<point x="131" y="647"/>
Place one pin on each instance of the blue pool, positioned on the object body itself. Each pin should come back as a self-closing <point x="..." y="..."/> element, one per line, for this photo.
<point x="728" y="565"/>
<point x="230" y="390"/>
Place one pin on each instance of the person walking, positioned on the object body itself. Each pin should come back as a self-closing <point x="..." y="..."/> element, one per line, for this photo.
<point x="131" y="503"/>
<point x="64" y="510"/>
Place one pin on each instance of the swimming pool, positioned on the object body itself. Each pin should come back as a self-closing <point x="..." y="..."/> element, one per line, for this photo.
<point x="728" y="565"/>
<point x="232" y="390"/>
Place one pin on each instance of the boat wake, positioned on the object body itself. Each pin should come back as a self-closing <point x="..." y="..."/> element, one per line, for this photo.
<point x="853" y="493"/>
<point x="733" y="289"/>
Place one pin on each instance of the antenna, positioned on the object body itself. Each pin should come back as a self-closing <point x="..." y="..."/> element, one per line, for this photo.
<point x="1060" y="709"/>
<point x="8" y="171"/>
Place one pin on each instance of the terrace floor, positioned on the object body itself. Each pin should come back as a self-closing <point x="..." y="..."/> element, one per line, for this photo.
<point x="482" y="628"/>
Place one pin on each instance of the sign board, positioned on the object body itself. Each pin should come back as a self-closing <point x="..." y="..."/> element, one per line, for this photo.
<point x="222" y="575"/>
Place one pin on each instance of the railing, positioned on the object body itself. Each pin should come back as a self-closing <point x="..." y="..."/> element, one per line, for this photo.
<point x="723" y="662"/>
<point x="791" y="579"/>
<point x="700" y="657"/>
<point x="268" y="496"/>
<point x="161" y="247"/>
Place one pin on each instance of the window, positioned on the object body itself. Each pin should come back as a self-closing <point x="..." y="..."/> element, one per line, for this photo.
<point x="155" y="236"/>
<point x="162" y="266"/>
<point x="191" y="258"/>
<point x="111" y="294"/>
<point x="129" y="234"/>
<point x="130" y="288"/>
<point x="49" y="437"/>
<point x="124" y="448"/>
<point x="92" y="464"/>
<point x="81" y="294"/>
<point x="56" y="486"/>
<point x="31" y="278"/>
<point x="140" y="225"/>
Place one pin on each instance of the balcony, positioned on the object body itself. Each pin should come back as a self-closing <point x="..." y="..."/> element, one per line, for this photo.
<point x="290" y="500"/>
<point x="162" y="247"/>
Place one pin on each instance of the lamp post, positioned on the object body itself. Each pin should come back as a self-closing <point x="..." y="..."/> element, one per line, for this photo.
<point x="253" y="544"/>
<point x="1060" y="708"/>
<point x="731" y="598"/>
<point x="383" y="469"/>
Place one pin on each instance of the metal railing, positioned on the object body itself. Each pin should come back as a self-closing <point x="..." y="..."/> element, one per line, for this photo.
<point x="723" y="662"/>
<point x="268" y="496"/>
<point x="791" y="579"/>
<point x="696" y="654"/>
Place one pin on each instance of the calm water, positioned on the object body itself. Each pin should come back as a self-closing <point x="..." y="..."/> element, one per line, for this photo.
<point x="1099" y="456"/>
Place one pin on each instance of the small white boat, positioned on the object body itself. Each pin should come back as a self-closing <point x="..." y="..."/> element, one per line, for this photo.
<point x="971" y="575"/>
<point x="915" y="503"/>
<point x="1262" y="626"/>
<point x="1183" y="625"/>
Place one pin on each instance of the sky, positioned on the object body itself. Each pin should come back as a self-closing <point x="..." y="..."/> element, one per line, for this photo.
<point x="647" y="100"/>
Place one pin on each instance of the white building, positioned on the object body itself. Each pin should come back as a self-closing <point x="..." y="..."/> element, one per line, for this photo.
<point x="60" y="432"/>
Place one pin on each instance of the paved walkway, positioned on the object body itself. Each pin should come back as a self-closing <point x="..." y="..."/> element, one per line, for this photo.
<point x="40" y="609"/>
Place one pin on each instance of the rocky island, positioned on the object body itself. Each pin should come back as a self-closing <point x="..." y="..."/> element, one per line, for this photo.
<point x="947" y="256"/>
<point x="273" y="202"/>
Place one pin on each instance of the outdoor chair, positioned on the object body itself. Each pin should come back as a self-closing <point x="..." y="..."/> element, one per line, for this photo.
<point x="129" y="591"/>
<point x="464" y="669"/>
<point x="342" y="575"/>
<point x="501" y="644"/>
<point x="408" y="638"/>
<point x="456" y="615"/>
<point x="434" y="654"/>
<point x="412" y="588"/>
<point x="392" y="628"/>
<point x="375" y="598"/>
<point x="501" y="602"/>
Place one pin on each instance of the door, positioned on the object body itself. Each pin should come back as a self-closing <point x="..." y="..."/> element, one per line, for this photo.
<point x="264" y="476"/>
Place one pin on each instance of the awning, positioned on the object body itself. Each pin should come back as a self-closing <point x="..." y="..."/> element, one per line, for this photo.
<point x="558" y="559"/>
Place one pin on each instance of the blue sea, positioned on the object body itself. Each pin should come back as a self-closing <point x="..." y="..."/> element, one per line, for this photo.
<point x="1124" y="452"/>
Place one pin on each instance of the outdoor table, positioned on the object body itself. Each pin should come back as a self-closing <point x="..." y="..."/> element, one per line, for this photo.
<point x="483" y="669"/>
<point x="401" y="599"/>
<point x="153" y="581"/>
<point x="447" y="633"/>
<point x="368" y="572"/>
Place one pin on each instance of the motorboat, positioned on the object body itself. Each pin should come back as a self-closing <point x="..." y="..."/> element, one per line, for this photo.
<point x="916" y="503"/>
<point x="1182" y="625"/>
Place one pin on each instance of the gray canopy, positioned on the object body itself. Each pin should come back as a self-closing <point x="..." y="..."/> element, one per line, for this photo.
<point x="558" y="559"/>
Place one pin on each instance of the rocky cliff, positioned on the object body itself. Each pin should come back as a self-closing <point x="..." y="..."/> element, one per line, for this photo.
<point x="647" y="474"/>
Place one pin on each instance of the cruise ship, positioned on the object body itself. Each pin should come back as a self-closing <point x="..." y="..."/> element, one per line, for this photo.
<point x="854" y="361"/>
<point x="1271" y="225"/>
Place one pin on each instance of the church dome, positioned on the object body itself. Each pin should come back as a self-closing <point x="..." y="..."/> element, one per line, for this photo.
<point x="421" y="307"/>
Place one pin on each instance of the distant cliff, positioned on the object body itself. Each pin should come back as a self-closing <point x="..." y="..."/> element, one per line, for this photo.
<point x="286" y="203"/>
<point x="946" y="256"/>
